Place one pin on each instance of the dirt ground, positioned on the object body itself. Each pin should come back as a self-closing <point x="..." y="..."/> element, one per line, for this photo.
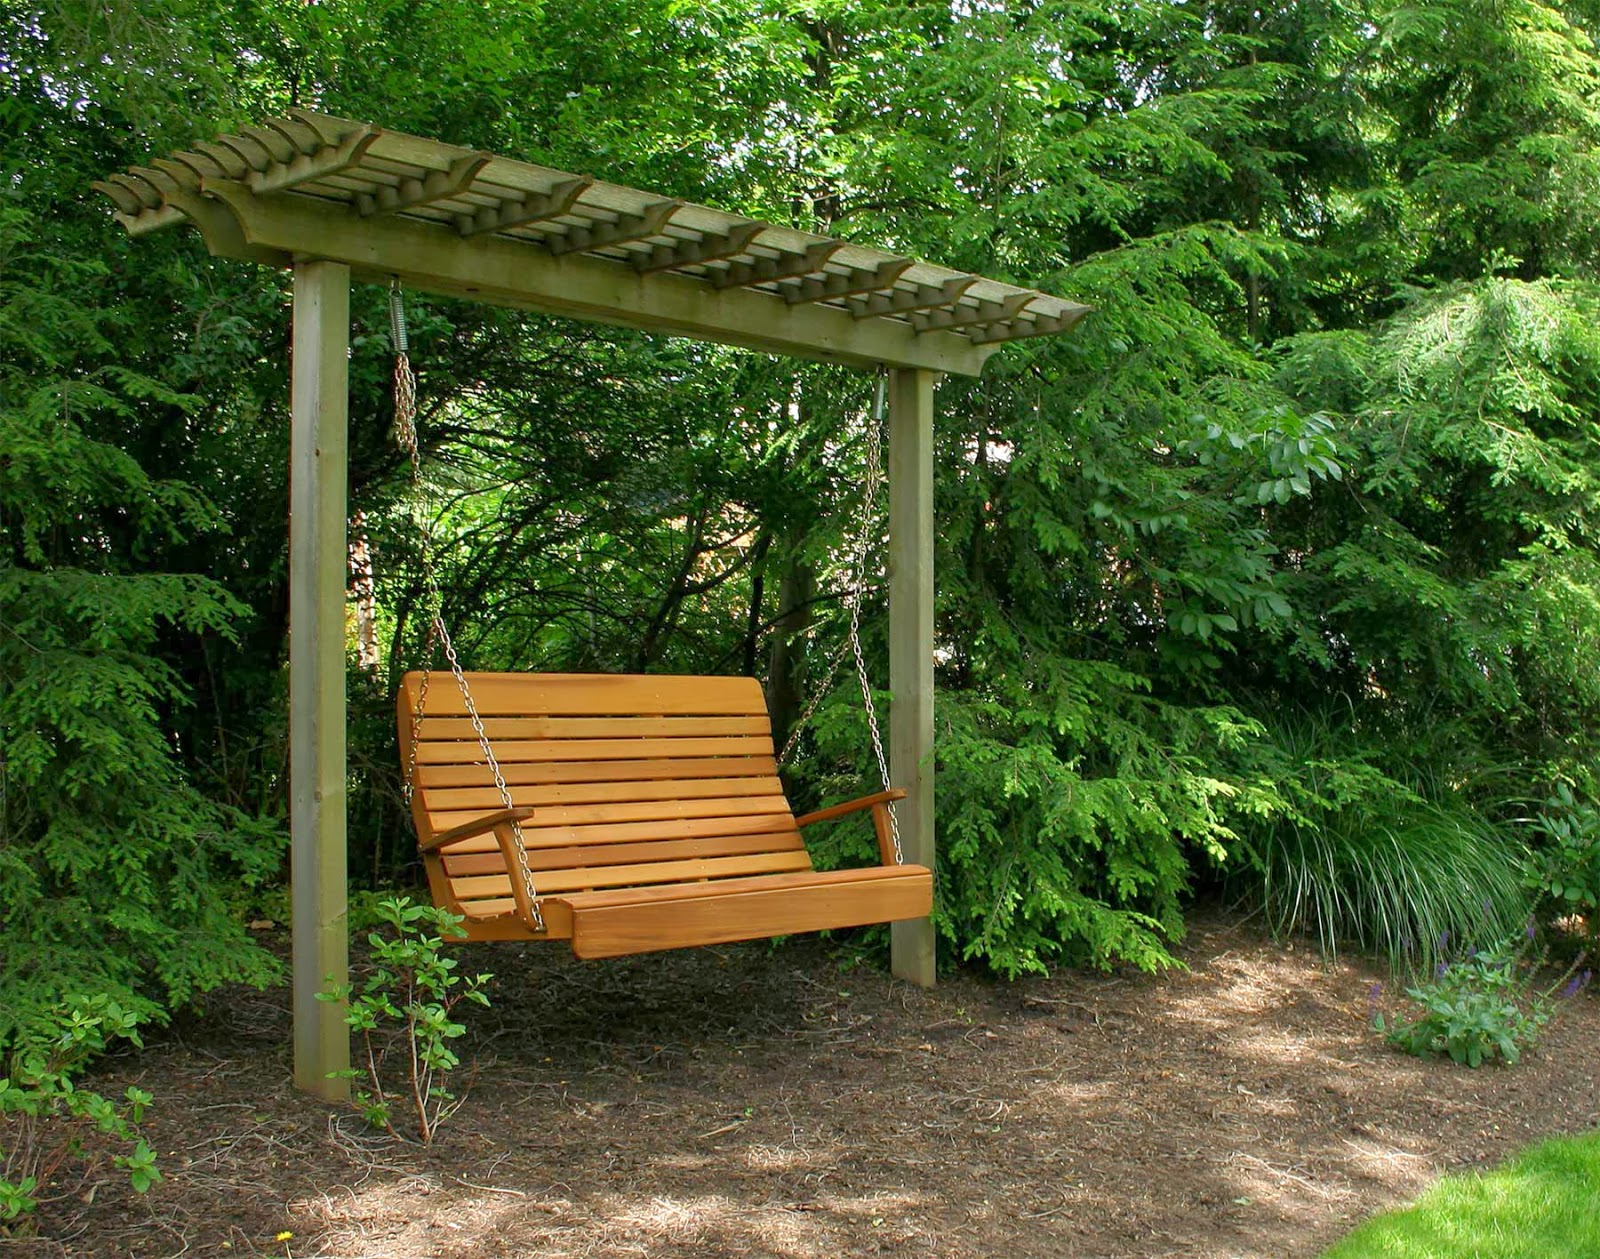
<point x="750" y="1101"/>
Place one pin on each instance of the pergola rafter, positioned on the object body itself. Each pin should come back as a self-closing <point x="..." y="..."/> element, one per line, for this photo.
<point x="293" y="185"/>
<point x="338" y="200"/>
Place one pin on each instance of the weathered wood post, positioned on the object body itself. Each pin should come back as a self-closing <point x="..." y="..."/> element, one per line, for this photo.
<point x="911" y="645"/>
<point x="319" y="402"/>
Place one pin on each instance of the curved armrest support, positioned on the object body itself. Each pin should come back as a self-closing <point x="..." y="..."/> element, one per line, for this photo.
<point x="879" y="803"/>
<point x="480" y="826"/>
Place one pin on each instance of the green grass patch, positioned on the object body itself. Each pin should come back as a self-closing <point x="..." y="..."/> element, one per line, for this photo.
<point x="1543" y="1205"/>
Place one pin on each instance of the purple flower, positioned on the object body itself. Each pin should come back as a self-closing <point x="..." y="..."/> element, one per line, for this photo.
<point x="1577" y="984"/>
<point x="1440" y="969"/>
<point x="1529" y="931"/>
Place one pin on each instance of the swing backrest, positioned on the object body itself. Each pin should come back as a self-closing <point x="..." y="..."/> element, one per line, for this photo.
<point x="636" y="780"/>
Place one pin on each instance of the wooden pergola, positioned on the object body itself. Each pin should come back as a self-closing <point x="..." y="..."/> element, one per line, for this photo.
<point x="336" y="200"/>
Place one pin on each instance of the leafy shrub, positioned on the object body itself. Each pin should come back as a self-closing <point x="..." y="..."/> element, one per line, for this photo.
<point x="44" y="1115"/>
<point x="1564" y="869"/>
<point x="1478" y="1008"/>
<point x="115" y="870"/>
<point x="402" y="1007"/>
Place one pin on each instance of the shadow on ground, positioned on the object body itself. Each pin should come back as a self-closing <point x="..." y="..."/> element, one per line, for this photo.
<point x="751" y="1101"/>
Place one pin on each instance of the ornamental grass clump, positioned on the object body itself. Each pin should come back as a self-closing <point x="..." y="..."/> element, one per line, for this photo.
<point x="1485" y="1006"/>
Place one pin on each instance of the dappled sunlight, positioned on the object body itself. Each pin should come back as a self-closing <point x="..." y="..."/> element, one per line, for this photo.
<point x="1243" y="1110"/>
<point x="418" y="1217"/>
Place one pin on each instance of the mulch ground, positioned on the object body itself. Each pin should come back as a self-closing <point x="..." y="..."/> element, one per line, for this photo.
<point x="750" y="1101"/>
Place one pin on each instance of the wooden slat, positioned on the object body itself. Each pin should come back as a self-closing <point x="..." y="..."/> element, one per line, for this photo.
<point x="431" y="776"/>
<point x="592" y="694"/>
<point x="464" y="864"/>
<point x="611" y="813"/>
<point x="586" y="877"/>
<point x="644" y="895"/>
<point x="513" y="751"/>
<point x="440" y="728"/>
<point x="721" y="916"/>
<point x="678" y="828"/>
<point x="488" y="797"/>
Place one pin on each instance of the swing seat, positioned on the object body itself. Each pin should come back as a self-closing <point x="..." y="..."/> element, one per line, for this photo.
<point x="650" y="810"/>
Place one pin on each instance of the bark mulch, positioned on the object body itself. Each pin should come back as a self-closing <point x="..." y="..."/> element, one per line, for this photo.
<point x="758" y="1101"/>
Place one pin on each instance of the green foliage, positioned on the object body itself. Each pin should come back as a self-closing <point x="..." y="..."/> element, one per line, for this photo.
<point x="1564" y="868"/>
<point x="115" y="868"/>
<point x="1325" y="444"/>
<point x="1538" y="1206"/>
<point x="46" y="1115"/>
<point x="1476" y="1009"/>
<point x="402" y="1008"/>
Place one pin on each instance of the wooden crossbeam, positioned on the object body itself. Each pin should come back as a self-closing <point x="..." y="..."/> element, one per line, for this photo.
<point x="439" y="185"/>
<point x="1008" y="307"/>
<point x="834" y="285"/>
<point x="535" y="207"/>
<point x="788" y="267"/>
<point x="630" y="227"/>
<point x="904" y="301"/>
<point x="512" y="272"/>
<point x="714" y="248"/>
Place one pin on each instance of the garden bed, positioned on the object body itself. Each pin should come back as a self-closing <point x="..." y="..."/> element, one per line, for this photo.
<point x="765" y="1102"/>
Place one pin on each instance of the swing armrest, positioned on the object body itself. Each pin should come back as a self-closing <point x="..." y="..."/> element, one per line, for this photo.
<point x="879" y="803"/>
<point x="481" y="826"/>
<point x="853" y="806"/>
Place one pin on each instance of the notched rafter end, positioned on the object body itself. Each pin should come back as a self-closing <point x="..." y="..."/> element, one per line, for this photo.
<point x="535" y="207"/>
<point x="713" y="248"/>
<point x="439" y="185"/>
<point x="651" y="221"/>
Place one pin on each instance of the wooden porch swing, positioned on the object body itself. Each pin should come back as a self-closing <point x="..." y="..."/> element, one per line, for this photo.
<point x="658" y="825"/>
<point x="645" y="813"/>
<point x="625" y="813"/>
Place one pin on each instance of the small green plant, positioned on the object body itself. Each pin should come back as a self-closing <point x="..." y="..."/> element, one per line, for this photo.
<point x="1564" y="869"/>
<point x="1480" y="1007"/>
<point x="45" y="1116"/>
<point x="403" y="1008"/>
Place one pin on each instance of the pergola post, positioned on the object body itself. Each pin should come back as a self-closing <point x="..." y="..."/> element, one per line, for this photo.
<point x="911" y="645"/>
<point x="318" y="567"/>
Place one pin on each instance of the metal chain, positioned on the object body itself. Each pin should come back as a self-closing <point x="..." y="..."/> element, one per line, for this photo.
<point x="855" y="594"/>
<point x="438" y="635"/>
<point x="818" y="694"/>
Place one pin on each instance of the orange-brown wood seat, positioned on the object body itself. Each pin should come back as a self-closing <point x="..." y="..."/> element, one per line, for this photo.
<point x="651" y="814"/>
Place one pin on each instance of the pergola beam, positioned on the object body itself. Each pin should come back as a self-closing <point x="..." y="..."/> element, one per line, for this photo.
<point x="966" y="316"/>
<point x="306" y="167"/>
<point x="505" y="271"/>
<point x="904" y="301"/>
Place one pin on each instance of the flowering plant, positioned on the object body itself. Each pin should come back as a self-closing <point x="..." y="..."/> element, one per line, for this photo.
<point x="1482" y="1006"/>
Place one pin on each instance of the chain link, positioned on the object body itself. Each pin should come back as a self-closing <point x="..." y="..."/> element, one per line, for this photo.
<point x="438" y="635"/>
<point x="855" y="595"/>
